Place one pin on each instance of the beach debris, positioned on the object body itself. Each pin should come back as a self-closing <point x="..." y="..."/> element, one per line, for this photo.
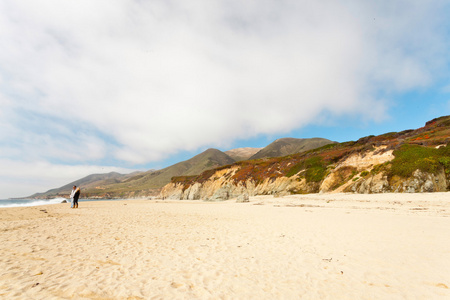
<point x="442" y="285"/>
<point x="40" y="273"/>
<point x="35" y="285"/>
<point x="327" y="259"/>
<point x="302" y="205"/>
<point x="176" y="285"/>
<point x="108" y="261"/>
<point x="44" y="211"/>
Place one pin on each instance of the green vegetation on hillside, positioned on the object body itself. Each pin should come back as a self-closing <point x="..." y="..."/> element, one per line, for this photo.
<point x="409" y="158"/>
<point x="315" y="169"/>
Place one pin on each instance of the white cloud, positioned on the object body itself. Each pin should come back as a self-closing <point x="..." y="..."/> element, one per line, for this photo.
<point x="158" y="77"/>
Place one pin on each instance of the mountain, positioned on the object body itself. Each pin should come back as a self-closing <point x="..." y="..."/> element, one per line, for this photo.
<point x="288" y="146"/>
<point x="90" y="182"/>
<point x="150" y="182"/>
<point x="408" y="161"/>
<point x="239" y="154"/>
<point x="115" y="185"/>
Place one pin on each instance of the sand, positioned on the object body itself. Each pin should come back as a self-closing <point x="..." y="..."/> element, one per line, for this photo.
<point x="332" y="246"/>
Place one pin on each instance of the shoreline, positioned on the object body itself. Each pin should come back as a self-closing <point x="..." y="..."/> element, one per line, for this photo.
<point x="9" y="203"/>
<point x="351" y="246"/>
<point x="295" y="197"/>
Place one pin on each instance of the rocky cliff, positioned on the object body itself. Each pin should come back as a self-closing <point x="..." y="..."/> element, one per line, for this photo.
<point x="409" y="161"/>
<point x="353" y="174"/>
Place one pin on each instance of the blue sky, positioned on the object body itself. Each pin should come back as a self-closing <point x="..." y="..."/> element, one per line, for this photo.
<point x="121" y="85"/>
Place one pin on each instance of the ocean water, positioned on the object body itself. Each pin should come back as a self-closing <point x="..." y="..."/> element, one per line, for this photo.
<point x="28" y="202"/>
<point x="37" y="202"/>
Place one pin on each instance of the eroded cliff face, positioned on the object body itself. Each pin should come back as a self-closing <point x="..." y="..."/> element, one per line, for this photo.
<point x="351" y="169"/>
<point x="221" y="186"/>
<point x="356" y="173"/>
<point x="420" y="182"/>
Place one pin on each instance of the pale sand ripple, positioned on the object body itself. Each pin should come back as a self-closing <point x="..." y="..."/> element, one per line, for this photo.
<point x="333" y="246"/>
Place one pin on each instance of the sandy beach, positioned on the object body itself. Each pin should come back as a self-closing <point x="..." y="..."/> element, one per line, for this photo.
<point x="331" y="246"/>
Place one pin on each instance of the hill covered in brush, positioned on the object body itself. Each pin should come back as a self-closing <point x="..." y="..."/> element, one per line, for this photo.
<point x="89" y="182"/>
<point x="287" y="146"/>
<point x="408" y="161"/>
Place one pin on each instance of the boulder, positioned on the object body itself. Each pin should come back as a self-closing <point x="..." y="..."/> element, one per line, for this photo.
<point x="373" y="184"/>
<point x="222" y="193"/>
<point x="243" y="198"/>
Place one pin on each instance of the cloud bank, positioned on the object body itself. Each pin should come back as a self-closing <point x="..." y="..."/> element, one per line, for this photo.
<point x="136" y="81"/>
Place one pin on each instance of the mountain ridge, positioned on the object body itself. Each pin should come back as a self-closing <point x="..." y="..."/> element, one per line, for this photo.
<point x="150" y="182"/>
<point x="287" y="146"/>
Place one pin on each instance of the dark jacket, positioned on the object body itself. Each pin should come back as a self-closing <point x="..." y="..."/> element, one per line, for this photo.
<point x="77" y="194"/>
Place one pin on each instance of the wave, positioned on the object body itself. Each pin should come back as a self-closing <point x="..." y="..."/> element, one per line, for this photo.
<point x="30" y="202"/>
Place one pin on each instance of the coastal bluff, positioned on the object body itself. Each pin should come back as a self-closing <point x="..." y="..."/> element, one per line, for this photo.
<point x="353" y="174"/>
<point x="406" y="162"/>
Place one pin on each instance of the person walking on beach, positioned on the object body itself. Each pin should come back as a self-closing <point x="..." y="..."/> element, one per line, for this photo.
<point x="74" y="196"/>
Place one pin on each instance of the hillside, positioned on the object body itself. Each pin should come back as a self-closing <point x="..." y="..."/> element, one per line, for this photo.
<point x="288" y="146"/>
<point x="278" y="148"/>
<point x="89" y="182"/>
<point x="149" y="183"/>
<point x="408" y="161"/>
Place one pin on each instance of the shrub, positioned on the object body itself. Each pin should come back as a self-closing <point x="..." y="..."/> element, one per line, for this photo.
<point x="354" y="172"/>
<point x="315" y="169"/>
<point x="295" y="169"/>
<point x="380" y="168"/>
<point x="364" y="173"/>
<point x="445" y="161"/>
<point x="409" y="158"/>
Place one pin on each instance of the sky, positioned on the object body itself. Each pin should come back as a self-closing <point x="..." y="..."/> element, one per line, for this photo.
<point x="123" y="85"/>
